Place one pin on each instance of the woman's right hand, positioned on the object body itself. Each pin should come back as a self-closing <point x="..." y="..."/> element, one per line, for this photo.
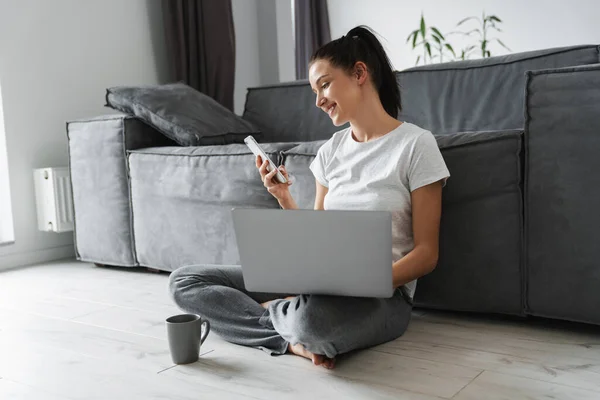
<point x="279" y="190"/>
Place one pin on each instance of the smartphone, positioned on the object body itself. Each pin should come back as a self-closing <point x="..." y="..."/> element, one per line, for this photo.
<point x="256" y="149"/>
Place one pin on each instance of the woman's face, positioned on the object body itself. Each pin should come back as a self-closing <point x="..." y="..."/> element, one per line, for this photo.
<point x="338" y="93"/>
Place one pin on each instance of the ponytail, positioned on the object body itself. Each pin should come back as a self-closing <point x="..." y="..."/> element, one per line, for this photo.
<point x="360" y="44"/>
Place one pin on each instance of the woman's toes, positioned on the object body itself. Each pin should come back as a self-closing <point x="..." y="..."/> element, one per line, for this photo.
<point x="328" y="363"/>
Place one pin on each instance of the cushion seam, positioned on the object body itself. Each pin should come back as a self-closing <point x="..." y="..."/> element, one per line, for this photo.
<point x="105" y="262"/>
<point x="526" y="200"/>
<point x="102" y="119"/>
<point x="516" y="136"/>
<point x="129" y="202"/>
<point x="565" y="70"/>
<point x="485" y="141"/>
<point x="196" y="155"/>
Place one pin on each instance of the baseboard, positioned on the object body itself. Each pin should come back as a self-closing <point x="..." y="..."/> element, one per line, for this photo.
<point x="36" y="256"/>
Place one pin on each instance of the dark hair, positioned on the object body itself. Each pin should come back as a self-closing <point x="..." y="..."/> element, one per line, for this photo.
<point x="360" y="44"/>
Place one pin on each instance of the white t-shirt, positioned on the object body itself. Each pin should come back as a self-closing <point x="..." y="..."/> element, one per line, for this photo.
<point x="380" y="175"/>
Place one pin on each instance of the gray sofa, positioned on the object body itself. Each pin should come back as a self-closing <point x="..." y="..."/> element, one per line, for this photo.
<point x="519" y="133"/>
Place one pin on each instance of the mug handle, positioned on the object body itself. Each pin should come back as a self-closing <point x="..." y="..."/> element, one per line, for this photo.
<point x="206" y="330"/>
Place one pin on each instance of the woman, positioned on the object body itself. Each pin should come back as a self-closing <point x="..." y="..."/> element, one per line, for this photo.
<point x="378" y="163"/>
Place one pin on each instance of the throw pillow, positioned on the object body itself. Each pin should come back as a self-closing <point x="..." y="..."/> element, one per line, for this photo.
<point x="181" y="113"/>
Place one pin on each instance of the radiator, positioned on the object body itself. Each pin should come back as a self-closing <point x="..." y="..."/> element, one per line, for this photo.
<point x="54" y="199"/>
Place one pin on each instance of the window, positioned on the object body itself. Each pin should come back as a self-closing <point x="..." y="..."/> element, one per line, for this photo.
<point x="7" y="234"/>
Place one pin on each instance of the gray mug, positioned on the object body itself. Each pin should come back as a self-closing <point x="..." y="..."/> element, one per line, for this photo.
<point x="185" y="337"/>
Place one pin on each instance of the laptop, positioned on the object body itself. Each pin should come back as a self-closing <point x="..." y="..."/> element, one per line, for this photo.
<point x="332" y="252"/>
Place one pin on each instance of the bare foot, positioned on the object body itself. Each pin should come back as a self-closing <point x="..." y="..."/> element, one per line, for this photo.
<point x="266" y="303"/>
<point x="317" y="359"/>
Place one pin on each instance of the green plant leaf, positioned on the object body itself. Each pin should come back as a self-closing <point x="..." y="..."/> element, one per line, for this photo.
<point x="449" y="47"/>
<point x="428" y="47"/>
<point x="468" y="50"/>
<point x="423" y="27"/>
<point x="502" y="44"/>
<point x="435" y="30"/>
<point x="412" y="34"/>
<point x="471" y="31"/>
<point x="494" y="18"/>
<point x="418" y="58"/>
<point x="488" y="53"/>
<point x="434" y="35"/>
<point x="437" y="39"/>
<point x="453" y="33"/>
<point x="465" y="20"/>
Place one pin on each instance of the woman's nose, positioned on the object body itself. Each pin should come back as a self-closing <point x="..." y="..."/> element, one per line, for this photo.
<point x="319" y="101"/>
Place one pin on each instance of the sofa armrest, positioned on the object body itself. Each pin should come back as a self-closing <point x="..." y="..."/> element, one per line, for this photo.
<point x="99" y="177"/>
<point x="562" y="192"/>
<point x="143" y="136"/>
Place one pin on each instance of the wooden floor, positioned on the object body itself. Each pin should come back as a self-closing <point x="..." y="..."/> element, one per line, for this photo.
<point x="71" y="330"/>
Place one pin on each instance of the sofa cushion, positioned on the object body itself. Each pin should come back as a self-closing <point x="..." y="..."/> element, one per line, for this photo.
<point x="478" y="95"/>
<point x="297" y="160"/>
<point x="286" y="113"/>
<point x="481" y="231"/>
<point x="562" y="136"/>
<point x="182" y="113"/>
<point x="182" y="199"/>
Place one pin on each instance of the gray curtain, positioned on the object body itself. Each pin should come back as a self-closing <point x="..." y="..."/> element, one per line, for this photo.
<point x="311" y="20"/>
<point x="200" y="41"/>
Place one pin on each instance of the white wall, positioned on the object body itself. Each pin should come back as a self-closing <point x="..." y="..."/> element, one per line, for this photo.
<point x="56" y="59"/>
<point x="527" y="25"/>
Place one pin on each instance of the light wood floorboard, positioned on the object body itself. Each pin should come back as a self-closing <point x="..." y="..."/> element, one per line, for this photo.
<point x="71" y="330"/>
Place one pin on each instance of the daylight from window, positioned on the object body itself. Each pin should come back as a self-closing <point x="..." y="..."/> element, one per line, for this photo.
<point x="6" y="220"/>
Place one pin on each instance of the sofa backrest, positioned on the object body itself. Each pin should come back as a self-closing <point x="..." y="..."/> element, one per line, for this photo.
<point x="286" y="112"/>
<point x="479" y="95"/>
<point x="460" y="96"/>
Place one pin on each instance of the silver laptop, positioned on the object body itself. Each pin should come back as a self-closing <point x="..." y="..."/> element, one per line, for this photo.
<point x="344" y="253"/>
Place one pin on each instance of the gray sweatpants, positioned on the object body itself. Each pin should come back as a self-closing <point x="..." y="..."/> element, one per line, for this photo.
<point x="327" y="325"/>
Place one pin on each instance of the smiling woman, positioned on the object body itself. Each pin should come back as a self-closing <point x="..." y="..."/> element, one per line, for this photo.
<point x="6" y="221"/>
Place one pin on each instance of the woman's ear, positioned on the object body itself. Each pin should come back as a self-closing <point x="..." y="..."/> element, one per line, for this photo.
<point x="361" y="72"/>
